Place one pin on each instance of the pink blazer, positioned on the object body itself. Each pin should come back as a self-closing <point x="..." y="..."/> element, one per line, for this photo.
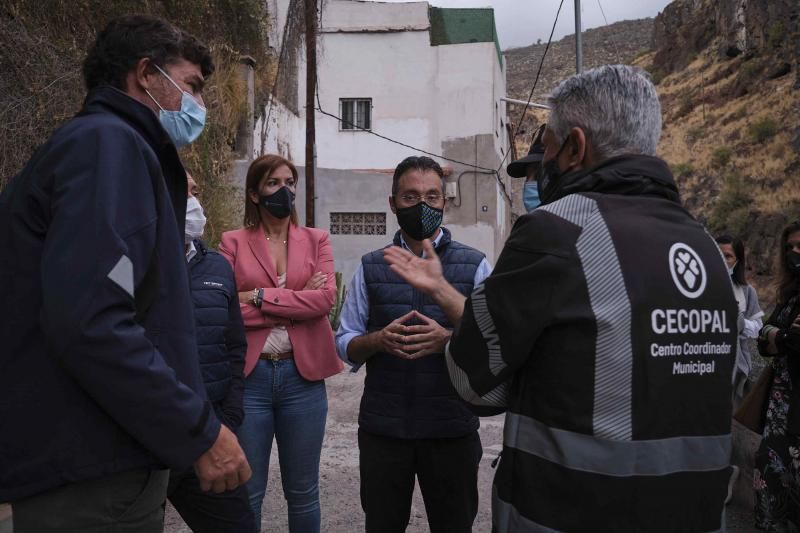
<point x="303" y="312"/>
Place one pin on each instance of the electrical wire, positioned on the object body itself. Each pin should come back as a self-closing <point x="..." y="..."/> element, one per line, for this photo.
<point x="610" y="35"/>
<point x="385" y="138"/>
<point x="535" y="82"/>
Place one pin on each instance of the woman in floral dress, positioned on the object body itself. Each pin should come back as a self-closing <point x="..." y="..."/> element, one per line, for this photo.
<point x="776" y="476"/>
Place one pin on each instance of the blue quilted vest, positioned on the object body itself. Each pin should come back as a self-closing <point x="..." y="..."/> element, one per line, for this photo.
<point x="212" y="291"/>
<point x="413" y="399"/>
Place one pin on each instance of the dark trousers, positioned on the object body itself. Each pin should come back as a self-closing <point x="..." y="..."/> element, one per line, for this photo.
<point x="128" y="502"/>
<point x="447" y="470"/>
<point x="208" y="512"/>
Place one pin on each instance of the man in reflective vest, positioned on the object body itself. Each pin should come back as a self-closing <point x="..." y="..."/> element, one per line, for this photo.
<point x="607" y="331"/>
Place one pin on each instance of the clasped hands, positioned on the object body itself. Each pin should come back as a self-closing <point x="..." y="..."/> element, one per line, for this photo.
<point x="412" y="341"/>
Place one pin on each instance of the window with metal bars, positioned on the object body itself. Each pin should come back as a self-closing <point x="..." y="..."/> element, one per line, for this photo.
<point x="356" y="114"/>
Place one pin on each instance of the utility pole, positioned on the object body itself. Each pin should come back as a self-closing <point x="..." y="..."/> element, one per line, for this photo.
<point x="311" y="86"/>
<point x="578" y="39"/>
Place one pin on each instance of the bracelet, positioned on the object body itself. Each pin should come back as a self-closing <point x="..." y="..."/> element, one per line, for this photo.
<point x="763" y="335"/>
<point x="254" y="299"/>
<point x="260" y="297"/>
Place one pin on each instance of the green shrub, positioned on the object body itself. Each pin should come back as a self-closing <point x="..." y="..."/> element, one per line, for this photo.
<point x="739" y="113"/>
<point x="642" y="52"/>
<point x="748" y="71"/>
<point x="721" y="156"/>
<point x="657" y="76"/>
<point x="694" y="134"/>
<point x="732" y="209"/>
<point x="763" y="130"/>
<point x="775" y="35"/>
<point x="685" y="105"/>
<point x="682" y="169"/>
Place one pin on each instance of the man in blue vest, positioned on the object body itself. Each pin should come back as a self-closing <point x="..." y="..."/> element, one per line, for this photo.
<point x="412" y="422"/>
<point x="221" y="345"/>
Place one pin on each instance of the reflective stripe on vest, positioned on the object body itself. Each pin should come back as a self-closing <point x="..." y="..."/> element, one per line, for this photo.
<point x="613" y="374"/>
<point x="587" y="453"/>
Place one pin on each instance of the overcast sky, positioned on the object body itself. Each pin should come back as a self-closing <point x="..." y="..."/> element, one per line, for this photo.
<point x="522" y="22"/>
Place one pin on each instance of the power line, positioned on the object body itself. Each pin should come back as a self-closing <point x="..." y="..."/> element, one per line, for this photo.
<point x="385" y="138"/>
<point x="610" y="35"/>
<point x="476" y="169"/>
<point x="535" y="82"/>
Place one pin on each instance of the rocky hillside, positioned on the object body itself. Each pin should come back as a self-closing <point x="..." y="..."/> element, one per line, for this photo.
<point x="727" y="74"/>
<point x="616" y="43"/>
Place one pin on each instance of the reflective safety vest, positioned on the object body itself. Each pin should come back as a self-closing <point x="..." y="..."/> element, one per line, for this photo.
<point x="607" y="332"/>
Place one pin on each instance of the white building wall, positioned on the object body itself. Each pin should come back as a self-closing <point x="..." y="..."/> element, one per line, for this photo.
<point x="397" y="71"/>
<point x="464" y="105"/>
<point x="441" y="99"/>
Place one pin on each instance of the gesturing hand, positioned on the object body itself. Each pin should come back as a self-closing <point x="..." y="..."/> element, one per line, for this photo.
<point x="425" y="339"/>
<point x="317" y="281"/>
<point x="423" y="274"/>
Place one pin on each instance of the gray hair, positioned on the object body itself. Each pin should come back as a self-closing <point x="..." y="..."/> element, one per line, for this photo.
<point x="615" y="105"/>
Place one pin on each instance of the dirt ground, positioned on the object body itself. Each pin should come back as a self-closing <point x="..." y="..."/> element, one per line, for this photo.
<point x="341" y="508"/>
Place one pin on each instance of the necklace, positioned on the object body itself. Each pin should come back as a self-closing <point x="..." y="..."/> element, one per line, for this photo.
<point x="267" y="236"/>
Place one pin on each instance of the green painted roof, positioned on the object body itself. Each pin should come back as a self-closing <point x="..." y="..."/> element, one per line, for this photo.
<point x="463" y="25"/>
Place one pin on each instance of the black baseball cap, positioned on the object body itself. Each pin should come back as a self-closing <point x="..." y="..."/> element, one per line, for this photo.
<point x="518" y="168"/>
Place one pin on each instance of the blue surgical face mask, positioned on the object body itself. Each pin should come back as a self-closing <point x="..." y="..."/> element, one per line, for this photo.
<point x="530" y="196"/>
<point x="186" y="124"/>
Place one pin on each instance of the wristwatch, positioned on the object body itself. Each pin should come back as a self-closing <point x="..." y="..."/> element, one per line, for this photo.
<point x="258" y="296"/>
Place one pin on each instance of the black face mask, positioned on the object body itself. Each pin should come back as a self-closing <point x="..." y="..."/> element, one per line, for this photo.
<point x="793" y="262"/>
<point x="548" y="179"/>
<point x="279" y="204"/>
<point x="420" y="221"/>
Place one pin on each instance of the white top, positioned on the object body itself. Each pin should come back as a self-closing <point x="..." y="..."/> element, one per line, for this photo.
<point x="278" y="340"/>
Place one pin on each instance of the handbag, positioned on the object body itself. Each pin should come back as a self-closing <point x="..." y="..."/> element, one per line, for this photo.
<point x="752" y="412"/>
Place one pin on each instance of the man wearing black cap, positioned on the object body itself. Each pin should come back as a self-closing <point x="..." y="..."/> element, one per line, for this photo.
<point x="529" y="167"/>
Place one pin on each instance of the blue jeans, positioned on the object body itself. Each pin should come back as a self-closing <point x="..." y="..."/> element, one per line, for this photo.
<point x="279" y="402"/>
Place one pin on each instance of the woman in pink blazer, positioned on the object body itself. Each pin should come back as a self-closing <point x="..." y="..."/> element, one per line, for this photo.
<point x="284" y="274"/>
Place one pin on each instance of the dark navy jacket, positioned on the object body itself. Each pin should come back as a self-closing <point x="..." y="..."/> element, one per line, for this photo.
<point x="86" y="390"/>
<point x="221" y="343"/>
<point x="414" y="398"/>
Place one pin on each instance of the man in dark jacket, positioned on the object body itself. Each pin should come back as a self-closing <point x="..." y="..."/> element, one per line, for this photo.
<point x="221" y="345"/>
<point x="101" y="384"/>
<point x="411" y="422"/>
<point x="607" y="331"/>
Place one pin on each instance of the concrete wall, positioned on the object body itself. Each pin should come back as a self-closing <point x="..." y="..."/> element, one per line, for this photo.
<point x="377" y="66"/>
<point x="346" y="191"/>
<point x="353" y="191"/>
<point x="350" y="16"/>
<point x="441" y="99"/>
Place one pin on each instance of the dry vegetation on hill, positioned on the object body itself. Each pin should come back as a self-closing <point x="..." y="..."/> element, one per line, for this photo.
<point x="41" y="51"/>
<point x="727" y="75"/>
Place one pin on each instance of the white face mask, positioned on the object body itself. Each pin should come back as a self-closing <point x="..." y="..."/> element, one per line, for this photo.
<point x="195" y="220"/>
